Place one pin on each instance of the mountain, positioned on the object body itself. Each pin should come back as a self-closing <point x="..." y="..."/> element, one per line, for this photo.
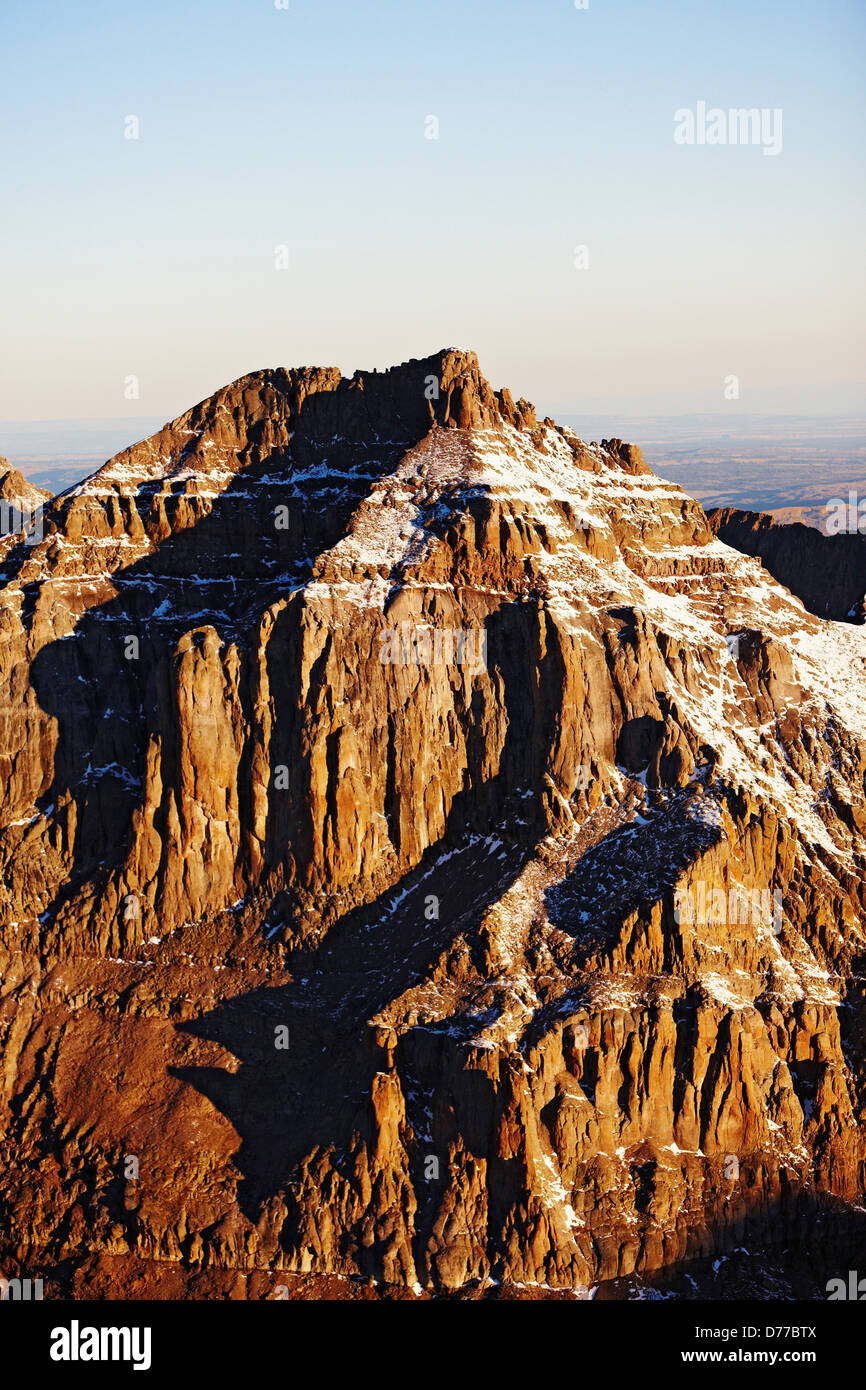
<point x="828" y="572"/>
<point x="431" y="860"/>
<point x="14" y="488"/>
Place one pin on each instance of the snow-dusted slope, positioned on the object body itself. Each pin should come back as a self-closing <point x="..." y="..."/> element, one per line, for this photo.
<point x="377" y="711"/>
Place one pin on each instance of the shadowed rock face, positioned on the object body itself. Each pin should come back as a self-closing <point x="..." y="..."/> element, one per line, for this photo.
<point x="827" y="572"/>
<point x="337" y="943"/>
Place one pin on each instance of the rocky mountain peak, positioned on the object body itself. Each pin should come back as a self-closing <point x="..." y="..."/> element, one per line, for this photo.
<point x="14" y="487"/>
<point x="378" y="712"/>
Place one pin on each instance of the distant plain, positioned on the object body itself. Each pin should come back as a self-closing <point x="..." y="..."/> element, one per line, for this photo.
<point x="791" y="466"/>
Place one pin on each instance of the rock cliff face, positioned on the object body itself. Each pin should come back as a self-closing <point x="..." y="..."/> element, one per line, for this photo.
<point x="15" y="488"/>
<point x="20" y="504"/>
<point x="828" y="572"/>
<point x="429" y="857"/>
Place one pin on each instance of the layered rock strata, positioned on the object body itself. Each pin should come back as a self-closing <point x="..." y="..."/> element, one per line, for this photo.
<point x="328" y="953"/>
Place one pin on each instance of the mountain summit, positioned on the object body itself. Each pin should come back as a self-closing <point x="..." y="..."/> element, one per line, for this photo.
<point x="427" y="851"/>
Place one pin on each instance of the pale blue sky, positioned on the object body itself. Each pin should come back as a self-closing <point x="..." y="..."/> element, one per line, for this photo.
<point x="261" y="127"/>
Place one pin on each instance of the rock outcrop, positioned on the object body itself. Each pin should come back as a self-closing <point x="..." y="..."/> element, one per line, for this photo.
<point x="828" y="572"/>
<point x="430" y="857"/>
<point x="21" y="505"/>
<point x="15" y="488"/>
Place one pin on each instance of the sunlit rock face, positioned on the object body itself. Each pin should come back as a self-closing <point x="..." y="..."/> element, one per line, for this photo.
<point x="429" y="856"/>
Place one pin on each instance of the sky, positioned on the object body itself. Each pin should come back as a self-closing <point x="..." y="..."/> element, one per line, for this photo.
<point x="140" y="274"/>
